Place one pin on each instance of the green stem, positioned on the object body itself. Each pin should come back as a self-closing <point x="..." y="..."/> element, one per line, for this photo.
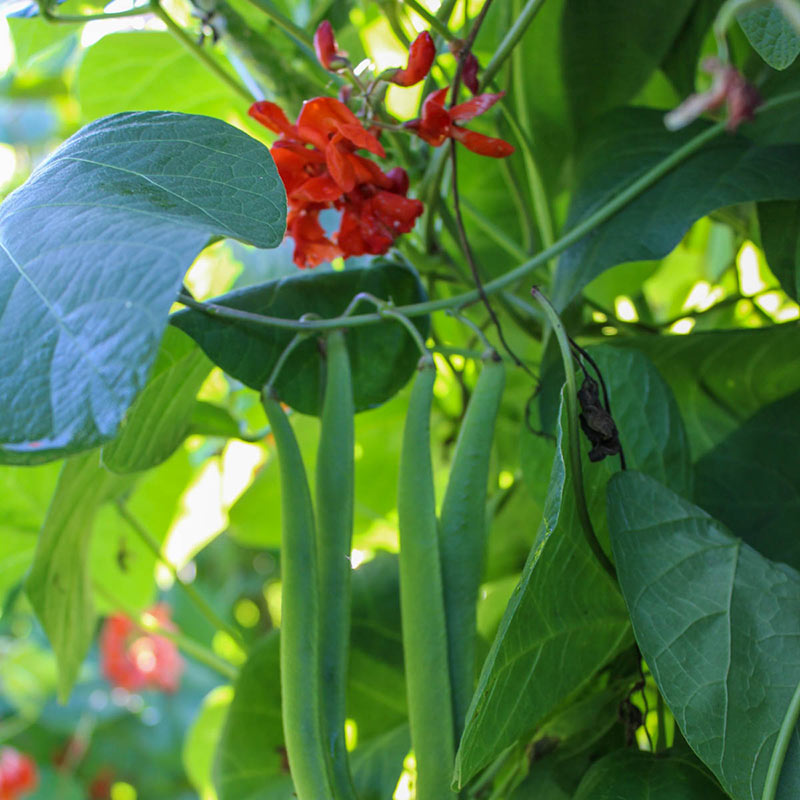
<point x="526" y="222"/>
<point x="200" y="53"/>
<point x="781" y="746"/>
<point x="285" y="24"/>
<point x="510" y="40"/>
<point x="431" y="19"/>
<point x="541" y="208"/>
<point x="577" y="233"/>
<point x="573" y="433"/>
<point x="200" y="602"/>
<point x="189" y="646"/>
<point x="78" y="18"/>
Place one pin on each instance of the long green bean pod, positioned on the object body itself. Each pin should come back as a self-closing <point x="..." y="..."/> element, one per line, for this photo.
<point x="334" y="506"/>
<point x="462" y="531"/>
<point x="300" y="621"/>
<point x="421" y="601"/>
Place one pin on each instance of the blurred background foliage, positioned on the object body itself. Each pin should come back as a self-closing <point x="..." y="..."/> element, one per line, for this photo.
<point x="213" y="506"/>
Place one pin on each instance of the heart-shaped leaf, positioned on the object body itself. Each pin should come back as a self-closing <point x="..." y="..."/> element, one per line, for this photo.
<point x="771" y="35"/>
<point x="626" y="143"/>
<point x="382" y="356"/>
<point x="718" y="625"/>
<point x="92" y="251"/>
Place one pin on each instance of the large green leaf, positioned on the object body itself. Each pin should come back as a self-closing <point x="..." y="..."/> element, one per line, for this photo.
<point x="625" y="144"/>
<point x="58" y="585"/>
<point x="751" y="481"/>
<point x="251" y="760"/>
<point x="24" y="495"/>
<point x="141" y="70"/>
<point x="159" y="419"/>
<point x="92" y="251"/>
<point x="771" y="35"/>
<point x="722" y="378"/>
<point x="632" y="773"/>
<point x="779" y="223"/>
<point x="563" y="622"/>
<point x="565" y="618"/>
<point x="718" y="625"/>
<point x="621" y="36"/>
<point x="383" y="356"/>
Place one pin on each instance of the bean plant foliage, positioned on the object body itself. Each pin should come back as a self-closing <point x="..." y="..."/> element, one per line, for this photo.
<point x="399" y="399"/>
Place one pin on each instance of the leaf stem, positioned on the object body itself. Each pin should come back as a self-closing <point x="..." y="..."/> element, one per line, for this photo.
<point x="200" y="53"/>
<point x="510" y="40"/>
<point x="781" y="746"/>
<point x="603" y="214"/>
<point x="200" y="602"/>
<point x="573" y="433"/>
<point x="431" y="19"/>
<point x="78" y="18"/>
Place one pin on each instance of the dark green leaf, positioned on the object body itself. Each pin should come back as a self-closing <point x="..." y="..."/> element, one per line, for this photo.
<point x="625" y="144"/>
<point x="621" y="36"/>
<point x="780" y="236"/>
<point x="718" y="625"/>
<point x="771" y="35"/>
<point x="125" y="205"/>
<point x="564" y="621"/>
<point x="251" y="757"/>
<point x="632" y="773"/>
<point x="680" y="63"/>
<point x="58" y="585"/>
<point x="565" y="617"/>
<point x="751" y="481"/>
<point x="158" y="420"/>
<point x="383" y="356"/>
<point x="721" y="378"/>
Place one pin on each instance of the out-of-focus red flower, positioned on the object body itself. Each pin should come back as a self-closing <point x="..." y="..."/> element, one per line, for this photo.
<point x="133" y="659"/>
<point x="728" y="86"/>
<point x="320" y="168"/>
<point x="420" y="59"/>
<point x="439" y="123"/>
<point x="100" y="787"/>
<point x="326" y="48"/>
<point x="18" y="774"/>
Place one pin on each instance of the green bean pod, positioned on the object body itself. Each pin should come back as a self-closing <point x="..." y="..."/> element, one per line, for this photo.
<point x="334" y="506"/>
<point x="421" y="602"/>
<point x="300" y="621"/>
<point x="462" y="531"/>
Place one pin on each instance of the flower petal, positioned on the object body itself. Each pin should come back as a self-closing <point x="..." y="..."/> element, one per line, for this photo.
<point x="420" y="59"/>
<point x="482" y="145"/>
<point x="473" y="107"/>
<point x="273" y="117"/>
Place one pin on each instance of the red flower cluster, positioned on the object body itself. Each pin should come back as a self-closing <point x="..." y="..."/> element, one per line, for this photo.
<point x="317" y="161"/>
<point x="18" y="774"/>
<point x="133" y="659"/>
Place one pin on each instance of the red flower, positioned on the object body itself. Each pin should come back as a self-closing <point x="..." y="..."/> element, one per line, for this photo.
<point x="438" y="123"/>
<point x="326" y="48"/>
<point x="420" y="59"/>
<point x="728" y="86"/>
<point x="320" y="168"/>
<point x="18" y="774"/>
<point x="133" y="659"/>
